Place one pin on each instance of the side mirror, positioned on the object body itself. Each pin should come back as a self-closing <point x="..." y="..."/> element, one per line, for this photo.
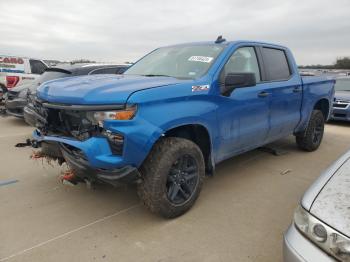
<point x="237" y="80"/>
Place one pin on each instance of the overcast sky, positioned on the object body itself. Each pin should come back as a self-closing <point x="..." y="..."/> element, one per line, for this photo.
<point x="317" y="31"/>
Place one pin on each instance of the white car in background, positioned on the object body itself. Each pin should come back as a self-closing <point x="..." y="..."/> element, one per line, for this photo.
<point x="15" y="71"/>
<point x="320" y="231"/>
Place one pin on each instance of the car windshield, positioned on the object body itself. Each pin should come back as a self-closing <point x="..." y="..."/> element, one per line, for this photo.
<point x="342" y="84"/>
<point x="184" y="62"/>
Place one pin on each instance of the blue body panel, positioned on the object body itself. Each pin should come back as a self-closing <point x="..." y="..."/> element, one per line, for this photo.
<point x="235" y="124"/>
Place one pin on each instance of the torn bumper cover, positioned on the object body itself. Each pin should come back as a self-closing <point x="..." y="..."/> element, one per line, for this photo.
<point x="93" y="160"/>
<point x="15" y="107"/>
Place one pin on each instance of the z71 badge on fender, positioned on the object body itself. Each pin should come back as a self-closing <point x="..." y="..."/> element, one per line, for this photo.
<point x="200" y="88"/>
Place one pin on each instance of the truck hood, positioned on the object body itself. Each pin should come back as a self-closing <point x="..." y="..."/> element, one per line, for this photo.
<point x="342" y="95"/>
<point x="332" y="204"/>
<point x="99" y="89"/>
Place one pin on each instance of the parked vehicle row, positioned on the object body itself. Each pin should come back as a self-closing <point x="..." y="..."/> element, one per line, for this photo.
<point x="177" y="113"/>
<point x="15" y="71"/>
<point x="341" y="105"/>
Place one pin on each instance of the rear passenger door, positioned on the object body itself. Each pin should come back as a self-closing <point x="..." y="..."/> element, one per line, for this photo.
<point x="285" y="90"/>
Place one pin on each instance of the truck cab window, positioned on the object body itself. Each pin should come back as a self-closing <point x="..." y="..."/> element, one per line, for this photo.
<point x="243" y="60"/>
<point x="276" y="64"/>
<point x="37" y="67"/>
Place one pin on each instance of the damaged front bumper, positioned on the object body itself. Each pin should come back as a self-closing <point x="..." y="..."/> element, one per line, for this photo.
<point x="15" y="107"/>
<point x="92" y="159"/>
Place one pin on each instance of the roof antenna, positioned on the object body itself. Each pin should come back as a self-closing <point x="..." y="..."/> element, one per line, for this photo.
<point x="219" y="39"/>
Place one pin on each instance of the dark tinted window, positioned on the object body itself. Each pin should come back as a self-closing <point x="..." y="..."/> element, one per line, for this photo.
<point x="37" y="67"/>
<point x="276" y="64"/>
<point x="107" y="70"/>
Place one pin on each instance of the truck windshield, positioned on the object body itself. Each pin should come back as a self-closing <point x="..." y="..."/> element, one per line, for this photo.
<point x="184" y="62"/>
<point x="342" y="84"/>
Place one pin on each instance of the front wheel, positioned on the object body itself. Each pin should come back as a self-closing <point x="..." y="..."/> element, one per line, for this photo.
<point x="311" y="138"/>
<point x="173" y="175"/>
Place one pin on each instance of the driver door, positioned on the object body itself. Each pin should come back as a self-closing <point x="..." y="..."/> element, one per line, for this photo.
<point x="244" y="114"/>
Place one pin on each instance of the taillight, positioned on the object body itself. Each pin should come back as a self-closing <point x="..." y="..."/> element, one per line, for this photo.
<point x="11" y="81"/>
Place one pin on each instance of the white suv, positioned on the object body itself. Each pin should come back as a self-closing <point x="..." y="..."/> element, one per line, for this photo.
<point x="15" y="71"/>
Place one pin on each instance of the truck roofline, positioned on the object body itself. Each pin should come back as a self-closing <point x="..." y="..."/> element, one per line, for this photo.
<point x="230" y="43"/>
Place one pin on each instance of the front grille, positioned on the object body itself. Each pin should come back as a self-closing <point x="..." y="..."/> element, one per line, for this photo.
<point x="340" y="105"/>
<point x="76" y="124"/>
<point x="339" y="115"/>
<point x="72" y="123"/>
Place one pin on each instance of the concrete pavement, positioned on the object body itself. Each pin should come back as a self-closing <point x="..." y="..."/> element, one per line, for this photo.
<point x="240" y="215"/>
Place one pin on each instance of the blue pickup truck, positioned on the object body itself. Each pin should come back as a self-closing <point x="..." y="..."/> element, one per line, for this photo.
<point x="176" y="113"/>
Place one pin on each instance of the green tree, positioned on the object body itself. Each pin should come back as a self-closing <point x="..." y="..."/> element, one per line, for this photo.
<point x="342" y="63"/>
<point x="79" y="61"/>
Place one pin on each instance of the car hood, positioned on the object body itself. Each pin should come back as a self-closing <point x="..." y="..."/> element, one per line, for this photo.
<point x="98" y="89"/>
<point x="332" y="204"/>
<point x="342" y="95"/>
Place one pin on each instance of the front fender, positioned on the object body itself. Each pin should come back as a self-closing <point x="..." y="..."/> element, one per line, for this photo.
<point x="170" y="107"/>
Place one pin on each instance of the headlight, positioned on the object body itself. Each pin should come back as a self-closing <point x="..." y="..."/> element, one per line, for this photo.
<point x="99" y="117"/>
<point x="322" y="235"/>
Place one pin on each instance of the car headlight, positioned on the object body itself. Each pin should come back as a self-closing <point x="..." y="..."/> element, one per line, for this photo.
<point x="99" y="117"/>
<point x="330" y="240"/>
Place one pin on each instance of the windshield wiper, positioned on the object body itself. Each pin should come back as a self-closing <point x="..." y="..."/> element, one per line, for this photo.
<point x="151" y="75"/>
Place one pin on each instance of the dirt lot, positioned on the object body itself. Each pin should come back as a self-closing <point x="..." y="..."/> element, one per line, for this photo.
<point x="240" y="216"/>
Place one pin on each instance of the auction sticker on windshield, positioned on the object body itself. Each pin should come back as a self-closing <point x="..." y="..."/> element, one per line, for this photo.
<point x="204" y="59"/>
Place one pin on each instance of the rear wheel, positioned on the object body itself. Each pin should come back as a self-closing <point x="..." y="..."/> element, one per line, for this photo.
<point x="311" y="138"/>
<point x="173" y="175"/>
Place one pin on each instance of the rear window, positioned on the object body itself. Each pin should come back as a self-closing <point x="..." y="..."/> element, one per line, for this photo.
<point x="276" y="64"/>
<point x="50" y="75"/>
<point x="47" y="76"/>
<point x="37" y="67"/>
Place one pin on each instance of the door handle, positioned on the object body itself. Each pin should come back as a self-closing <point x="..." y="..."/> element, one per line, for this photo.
<point x="263" y="94"/>
<point x="296" y="90"/>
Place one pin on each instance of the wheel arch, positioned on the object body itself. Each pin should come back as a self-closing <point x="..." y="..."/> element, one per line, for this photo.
<point x="324" y="106"/>
<point x="198" y="134"/>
